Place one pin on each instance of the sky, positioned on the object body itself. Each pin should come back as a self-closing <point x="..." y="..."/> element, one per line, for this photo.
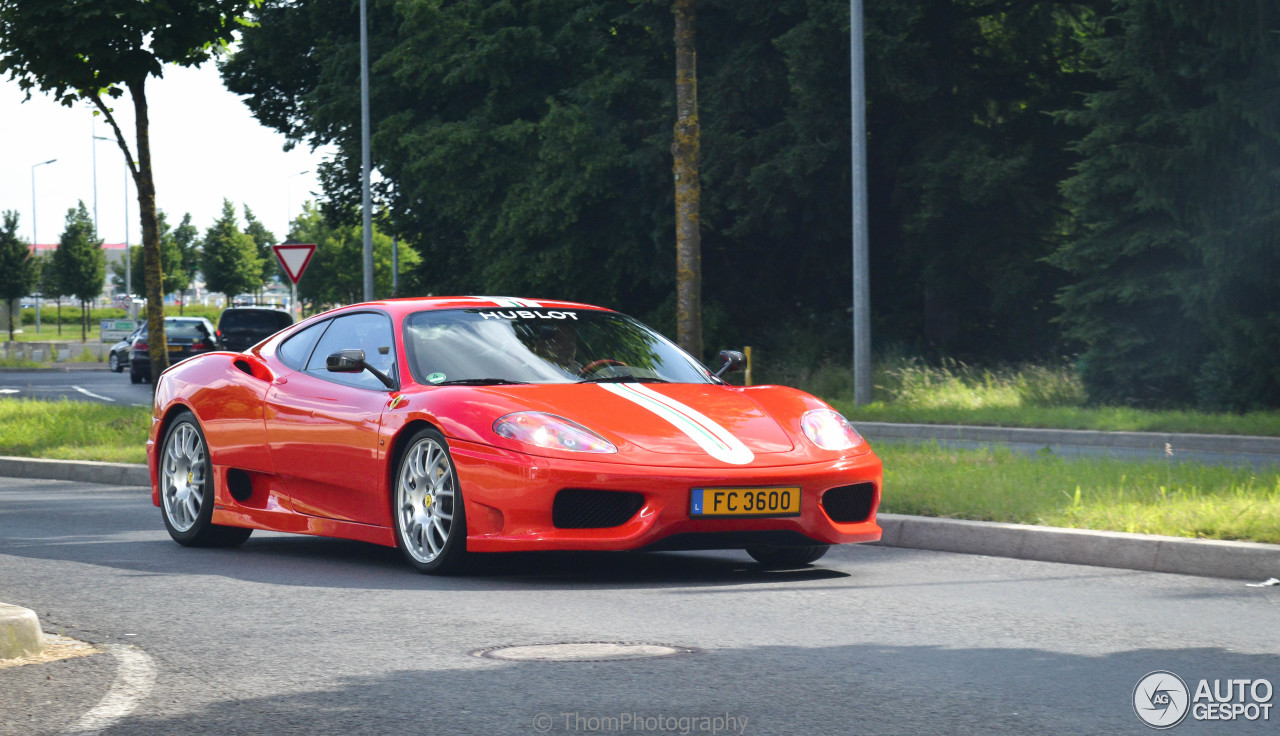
<point x="205" y="146"/>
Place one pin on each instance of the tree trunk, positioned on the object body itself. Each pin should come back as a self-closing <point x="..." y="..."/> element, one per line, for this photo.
<point x="688" y="183"/>
<point x="58" y="301"/>
<point x="11" y="320"/>
<point x="157" y="344"/>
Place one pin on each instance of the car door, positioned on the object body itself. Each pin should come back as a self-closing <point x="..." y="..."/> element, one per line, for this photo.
<point x="324" y="428"/>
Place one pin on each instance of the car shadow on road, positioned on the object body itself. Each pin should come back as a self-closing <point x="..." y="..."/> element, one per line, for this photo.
<point x="284" y="559"/>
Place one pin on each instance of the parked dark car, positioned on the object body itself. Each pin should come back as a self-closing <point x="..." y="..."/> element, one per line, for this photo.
<point x="187" y="336"/>
<point x="239" y="328"/>
<point x="118" y="358"/>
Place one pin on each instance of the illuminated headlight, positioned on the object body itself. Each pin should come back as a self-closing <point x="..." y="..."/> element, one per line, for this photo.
<point x="829" y="430"/>
<point x="551" y="432"/>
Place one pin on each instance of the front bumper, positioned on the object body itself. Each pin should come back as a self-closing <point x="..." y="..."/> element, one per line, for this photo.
<point x="509" y="499"/>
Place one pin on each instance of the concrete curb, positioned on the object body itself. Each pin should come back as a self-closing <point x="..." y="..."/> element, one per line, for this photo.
<point x="1078" y="437"/>
<point x="1210" y="558"/>
<point x="1147" y="552"/>
<point x="80" y="471"/>
<point x="20" y="634"/>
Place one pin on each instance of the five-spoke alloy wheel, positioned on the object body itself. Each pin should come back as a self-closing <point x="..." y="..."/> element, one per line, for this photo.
<point x="430" y="520"/>
<point x="186" y="488"/>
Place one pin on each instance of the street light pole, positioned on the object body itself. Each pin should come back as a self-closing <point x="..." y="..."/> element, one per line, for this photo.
<point x="35" y="239"/>
<point x="861" y="278"/>
<point x="288" y="200"/>
<point x="365" y="203"/>
<point x="128" y="264"/>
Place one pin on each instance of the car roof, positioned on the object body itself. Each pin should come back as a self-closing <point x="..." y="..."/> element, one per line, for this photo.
<point x="400" y="307"/>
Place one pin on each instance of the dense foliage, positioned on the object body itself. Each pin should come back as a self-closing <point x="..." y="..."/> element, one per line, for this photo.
<point x="1176" y="267"/>
<point x="18" y="269"/>
<point x="525" y="148"/>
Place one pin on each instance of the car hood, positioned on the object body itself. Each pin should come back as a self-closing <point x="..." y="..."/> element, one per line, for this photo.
<point x="660" y="424"/>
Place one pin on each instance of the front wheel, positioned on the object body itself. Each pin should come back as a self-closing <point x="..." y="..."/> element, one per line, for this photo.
<point x="782" y="557"/>
<point x="114" y="363"/>
<point x="186" y="489"/>
<point x="430" y="519"/>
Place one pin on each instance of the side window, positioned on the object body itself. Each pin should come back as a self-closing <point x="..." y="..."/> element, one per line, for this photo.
<point x="367" y="331"/>
<point x="295" y="351"/>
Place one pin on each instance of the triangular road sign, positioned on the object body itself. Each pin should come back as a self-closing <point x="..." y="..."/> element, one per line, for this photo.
<point x="294" y="258"/>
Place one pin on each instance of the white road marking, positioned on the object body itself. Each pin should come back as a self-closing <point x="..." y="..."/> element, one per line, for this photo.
<point x="135" y="677"/>
<point x="92" y="395"/>
<point x="8" y="390"/>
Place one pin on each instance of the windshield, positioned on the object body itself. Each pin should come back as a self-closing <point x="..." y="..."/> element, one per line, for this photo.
<point x="480" y="346"/>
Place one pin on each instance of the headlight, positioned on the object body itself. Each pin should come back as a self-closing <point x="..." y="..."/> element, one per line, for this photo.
<point x="551" y="432"/>
<point x="829" y="430"/>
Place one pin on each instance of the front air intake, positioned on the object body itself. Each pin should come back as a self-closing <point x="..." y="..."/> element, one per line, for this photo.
<point x="581" y="508"/>
<point x="849" y="503"/>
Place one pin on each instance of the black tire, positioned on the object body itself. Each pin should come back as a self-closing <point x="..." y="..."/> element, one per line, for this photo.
<point x="113" y="362"/>
<point x="428" y="515"/>
<point x="186" y="504"/>
<point x="134" y="376"/>
<point x="783" y="557"/>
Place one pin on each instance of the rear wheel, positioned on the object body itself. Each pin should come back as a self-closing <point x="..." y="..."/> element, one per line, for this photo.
<point x="430" y="520"/>
<point x="777" y="557"/>
<point x="134" y="376"/>
<point x="186" y="489"/>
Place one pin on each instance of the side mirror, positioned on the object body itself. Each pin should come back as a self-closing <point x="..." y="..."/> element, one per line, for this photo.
<point x="345" y="361"/>
<point x="352" y="361"/>
<point x="733" y="361"/>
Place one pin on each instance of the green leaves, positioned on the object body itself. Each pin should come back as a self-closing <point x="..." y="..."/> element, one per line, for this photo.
<point x="230" y="261"/>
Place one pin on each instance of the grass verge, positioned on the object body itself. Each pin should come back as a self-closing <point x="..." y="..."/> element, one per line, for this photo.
<point x="72" y="430"/>
<point x="1168" y="497"/>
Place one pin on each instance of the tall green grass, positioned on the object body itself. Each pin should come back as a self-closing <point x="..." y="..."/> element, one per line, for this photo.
<point x="72" y="430"/>
<point x="911" y="391"/>
<point x="1167" y="497"/>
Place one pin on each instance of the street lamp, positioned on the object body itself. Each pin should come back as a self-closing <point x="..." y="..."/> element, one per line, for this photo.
<point x="35" y="239"/>
<point x="366" y="205"/>
<point x="128" y="264"/>
<point x="288" y="199"/>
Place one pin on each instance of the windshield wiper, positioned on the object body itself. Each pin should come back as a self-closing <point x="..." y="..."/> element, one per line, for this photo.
<point x="623" y="379"/>
<point x="478" y="382"/>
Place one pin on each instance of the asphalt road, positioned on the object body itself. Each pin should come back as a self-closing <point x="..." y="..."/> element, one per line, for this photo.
<point x="303" y="635"/>
<point x="100" y="386"/>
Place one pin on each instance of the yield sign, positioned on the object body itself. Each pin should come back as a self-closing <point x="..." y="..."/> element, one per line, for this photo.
<point x="294" y="258"/>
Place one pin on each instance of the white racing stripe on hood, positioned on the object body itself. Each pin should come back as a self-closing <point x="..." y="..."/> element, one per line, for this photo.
<point x="710" y="436"/>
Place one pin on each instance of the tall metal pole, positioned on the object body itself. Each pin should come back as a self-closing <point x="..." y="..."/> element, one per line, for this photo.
<point x="35" y="239"/>
<point x="366" y="204"/>
<point x="93" y="129"/>
<point x="861" y="280"/>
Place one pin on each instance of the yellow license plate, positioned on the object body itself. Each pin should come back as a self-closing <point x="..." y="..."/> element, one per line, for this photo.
<point x="175" y="348"/>
<point x="771" y="501"/>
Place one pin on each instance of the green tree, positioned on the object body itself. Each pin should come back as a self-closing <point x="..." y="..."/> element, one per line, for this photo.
<point x="17" y="266"/>
<point x="96" y="52"/>
<point x="187" y="238"/>
<point x="333" y="276"/>
<point x="263" y="239"/>
<point x="51" y="283"/>
<point x="81" y="262"/>
<point x="229" y="259"/>
<point x="1177" y="258"/>
<point x="527" y="148"/>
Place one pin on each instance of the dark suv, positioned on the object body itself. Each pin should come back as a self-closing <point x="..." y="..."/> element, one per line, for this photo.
<point x="242" y="327"/>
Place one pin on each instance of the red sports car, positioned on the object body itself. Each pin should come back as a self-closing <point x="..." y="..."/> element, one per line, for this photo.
<point x="452" y="426"/>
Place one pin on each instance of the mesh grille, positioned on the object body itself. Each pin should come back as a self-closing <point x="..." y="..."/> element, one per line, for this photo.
<point x="579" y="508"/>
<point x="849" y="503"/>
